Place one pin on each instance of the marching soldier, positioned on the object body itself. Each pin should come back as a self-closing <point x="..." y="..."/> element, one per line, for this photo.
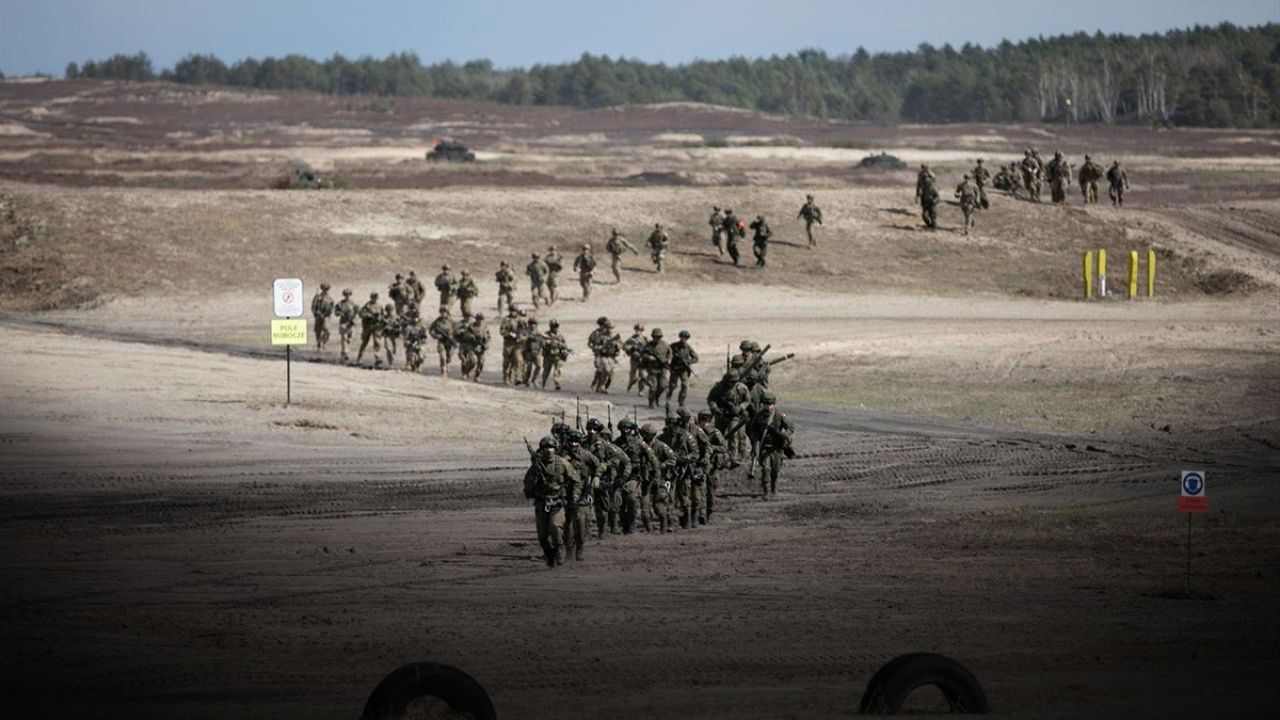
<point x="510" y="330"/>
<point x="969" y="200"/>
<point x="370" y="321"/>
<point x="544" y="484"/>
<point x="634" y="348"/>
<point x="473" y="342"/>
<point x="1058" y="173"/>
<point x="391" y="331"/>
<point x="346" y="311"/>
<point x="554" y="265"/>
<point x="924" y="178"/>
<point x="683" y="440"/>
<point x="1031" y="170"/>
<point x="555" y="350"/>
<point x="506" y="285"/>
<point x="660" y="501"/>
<point x="811" y="214"/>
<point x="606" y="349"/>
<point x="1090" y="174"/>
<point x="615" y="468"/>
<point x="730" y="401"/>
<point x="927" y="196"/>
<point x="734" y="230"/>
<point x="466" y="292"/>
<point x="443" y="331"/>
<point x="760" y="239"/>
<point x="322" y="309"/>
<point x="716" y="459"/>
<point x="580" y="496"/>
<point x="770" y="432"/>
<point x="446" y="283"/>
<point x="531" y="349"/>
<point x="716" y="221"/>
<point x="399" y="293"/>
<point x="658" y="242"/>
<point x="413" y="286"/>
<point x="537" y="272"/>
<point x="657" y="360"/>
<point x="1118" y="179"/>
<point x="643" y="475"/>
<point x="414" y="334"/>
<point x="982" y="176"/>
<point x="585" y="265"/>
<point x="683" y="358"/>
<point x="617" y="245"/>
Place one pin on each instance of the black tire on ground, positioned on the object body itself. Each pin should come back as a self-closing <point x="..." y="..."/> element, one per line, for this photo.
<point x="461" y="691"/>
<point x="891" y="684"/>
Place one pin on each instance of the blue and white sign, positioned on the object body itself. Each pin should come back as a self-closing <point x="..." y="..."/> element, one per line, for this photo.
<point x="1192" y="483"/>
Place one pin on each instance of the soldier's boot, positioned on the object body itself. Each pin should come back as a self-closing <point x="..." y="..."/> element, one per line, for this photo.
<point x="577" y="553"/>
<point x="773" y="486"/>
<point x="684" y="519"/>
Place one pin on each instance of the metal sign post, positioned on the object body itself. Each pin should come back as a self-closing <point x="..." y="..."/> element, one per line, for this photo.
<point x="1193" y="500"/>
<point x="289" y="328"/>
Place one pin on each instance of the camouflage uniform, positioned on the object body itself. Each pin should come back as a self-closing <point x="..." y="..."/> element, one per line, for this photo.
<point x="554" y="265"/>
<point x="1058" y="173"/>
<point x="969" y="200"/>
<point x="660" y="500"/>
<point x="981" y="177"/>
<point x="531" y="350"/>
<point x="585" y="266"/>
<point x="390" y="332"/>
<point x="414" y="334"/>
<point x="544" y="484"/>
<point x="717" y="458"/>
<point x="537" y="272"/>
<point x="399" y="293"/>
<point x="1031" y="172"/>
<point x="1118" y="179"/>
<point x="730" y="401"/>
<point x="511" y="330"/>
<point x="716" y="221"/>
<point x="322" y="309"/>
<point x="347" y="312"/>
<point x="760" y="239"/>
<point x="733" y="231"/>
<point x="658" y="242"/>
<point x="927" y="196"/>
<point x="443" y="330"/>
<point x="555" y="350"/>
<point x="370" y="329"/>
<point x="643" y="475"/>
<point x="1090" y="174"/>
<point x="634" y="348"/>
<point x="657" y="360"/>
<point x="683" y="358"/>
<point x="414" y="286"/>
<point x="473" y="341"/>
<point x="811" y="214"/>
<point x="605" y="348"/>
<point x="615" y="469"/>
<point x="616" y="245"/>
<point x="683" y="439"/>
<point x="770" y="431"/>
<point x="466" y="292"/>
<point x="506" y="285"/>
<point x="446" y="284"/>
<point x="581" y="495"/>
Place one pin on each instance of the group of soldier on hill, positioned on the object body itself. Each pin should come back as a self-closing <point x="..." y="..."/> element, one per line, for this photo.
<point x="727" y="229"/>
<point x="643" y="479"/>
<point x="1029" y="175"/>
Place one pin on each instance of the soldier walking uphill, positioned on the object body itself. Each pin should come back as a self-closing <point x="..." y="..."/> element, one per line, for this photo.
<point x="512" y="331"/>
<point x="585" y="266"/>
<point x="760" y="239"/>
<point x="370" y="322"/>
<point x="579" y="496"/>
<point x="347" y="312"/>
<point x="981" y="178"/>
<point x="1119" y="182"/>
<point x="658" y="242"/>
<point x="716" y="459"/>
<point x="770" y="432"/>
<point x="605" y="345"/>
<point x="657" y="360"/>
<point x="683" y="358"/>
<point x="413" y="285"/>
<point x="734" y="230"/>
<point x="716" y="221"/>
<point x="1090" y="174"/>
<point x="322" y="309"/>
<point x="473" y="342"/>
<point x="615" y="468"/>
<point x="634" y="348"/>
<point x="443" y="330"/>
<point x="531" y="350"/>
<point x="660" y="501"/>
<point x="616" y="245"/>
<point x="544" y="484"/>
<point x="642" y="477"/>
<point x="555" y="350"/>
<point x="811" y="214"/>
<point x="537" y="272"/>
<point x="466" y="292"/>
<point x="554" y="265"/>
<point x="506" y="285"/>
<point x="969" y="201"/>
<point x="730" y="401"/>
<point x="927" y="196"/>
<point x="1058" y="173"/>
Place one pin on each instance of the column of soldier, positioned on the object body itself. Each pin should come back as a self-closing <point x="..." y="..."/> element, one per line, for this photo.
<point x="650" y="480"/>
<point x="1029" y="175"/>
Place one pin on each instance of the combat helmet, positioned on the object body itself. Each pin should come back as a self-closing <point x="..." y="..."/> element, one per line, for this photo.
<point x="324" y="286"/>
<point x="648" y="432"/>
<point x="626" y="425"/>
<point x="684" y="334"/>
<point x="548" y="443"/>
<point x="656" y="333"/>
<point x="594" y="425"/>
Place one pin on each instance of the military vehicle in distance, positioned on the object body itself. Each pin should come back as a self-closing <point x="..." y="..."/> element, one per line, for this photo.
<point x="450" y="151"/>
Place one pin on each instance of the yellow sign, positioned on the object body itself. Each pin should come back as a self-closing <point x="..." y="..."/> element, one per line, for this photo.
<point x="289" y="332"/>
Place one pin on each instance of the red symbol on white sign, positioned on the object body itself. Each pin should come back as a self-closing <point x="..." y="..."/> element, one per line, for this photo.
<point x="288" y="297"/>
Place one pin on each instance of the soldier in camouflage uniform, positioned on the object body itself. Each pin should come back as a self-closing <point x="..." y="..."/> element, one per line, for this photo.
<point x="634" y="348"/>
<point x="506" y="285"/>
<point x="1090" y="174"/>
<point x="716" y="221"/>
<point x="391" y="331"/>
<point x="924" y="178"/>
<point x="554" y="265"/>
<point x="605" y="349"/>
<point x="730" y="401"/>
<point x="811" y="214"/>
<point x="544" y="484"/>
<point x="1031" y="171"/>
<point x="1058" y="173"/>
<point x="1118" y="179"/>
<point x="770" y="432"/>
<point x="399" y="293"/>
<point x="981" y="178"/>
<point x="969" y="201"/>
<point x="927" y="196"/>
<point x="657" y="361"/>
<point x="682" y="436"/>
<point x="322" y="309"/>
<point x="473" y="342"/>
<point x="658" y="242"/>
<point x="512" y="335"/>
<point x="466" y="293"/>
<point x="555" y="350"/>
<point x="537" y="272"/>
<point x="414" y="286"/>
<point x="661" y="500"/>
<point x="717" y="458"/>
<point x="370" y="329"/>
<point x="580" y="496"/>
<point x="414" y="334"/>
<point x="347" y="312"/>
<point x="531" y="350"/>
<point x="643" y="475"/>
<point x="683" y="358"/>
<point x="615" y="468"/>
<point x="443" y="330"/>
<point x="617" y="244"/>
<point x="760" y="239"/>
<point x="734" y="230"/>
<point x="585" y="266"/>
<point x="446" y="284"/>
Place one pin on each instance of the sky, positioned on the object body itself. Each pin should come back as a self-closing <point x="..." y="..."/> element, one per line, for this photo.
<point x="44" y="35"/>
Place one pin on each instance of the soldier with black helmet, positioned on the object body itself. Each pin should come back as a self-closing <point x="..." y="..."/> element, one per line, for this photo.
<point x="322" y="309"/>
<point x="579" y="495"/>
<point x="683" y="358"/>
<point x="770" y="432"/>
<point x="660" y="499"/>
<point x="657" y="359"/>
<point x="643" y="475"/>
<point x="615" y="468"/>
<point x="544" y="484"/>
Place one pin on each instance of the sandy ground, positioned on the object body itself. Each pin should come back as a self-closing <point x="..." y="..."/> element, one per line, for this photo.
<point x="987" y="465"/>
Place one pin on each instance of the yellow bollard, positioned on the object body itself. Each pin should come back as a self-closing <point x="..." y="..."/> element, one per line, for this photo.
<point x="1088" y="274"/>
<point x="1151" y="272"/>
<point x="1133" y="274"/>
<point x="1102" y="274"/>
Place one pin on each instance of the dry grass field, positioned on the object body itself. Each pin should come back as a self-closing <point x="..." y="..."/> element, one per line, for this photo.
<point x="987" y="463"/>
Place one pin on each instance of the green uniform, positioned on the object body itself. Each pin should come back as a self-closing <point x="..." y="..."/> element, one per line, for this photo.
<point x="683" y="358"/>
<point x="467" y="292"/>
<point x="1118" y="179"/>
<point x="662" y="498"/>
<point x="771" y="433"/>
<point x="585" y="266"/>
<point x="717" y="459"/>
<point x="531" y="352"/>
<point x="537" y="272"/>
<point x="473" y="342"/>
<point x="657" y="360"/>
<point x="414" y="334"/>
<point x="512" y="360"/>
<point x="414" y="288"/>
<point x="506" y="287"/>
<point x="370" y="330"/>
<point x="555" y="350"/>
<point x="1058" y="174"/>
<point x="615" y="468"/>
<point x="580" y="501"/>
<point x="347" y="312"/>
<point x="544" y="484"/>
<point x="390" y="333"/>
<point x="606" y="350"/>
<point x="554" y="265"/>
<point x="760" y="240"/>
<point x="642" y="477"/>
<point x="1090" y="174"/>
<point x="446" y="284"/>
<point x="969" y="202"/>
<point x="733" y="231"/>
<point x="442" y="329"/>
<point x="716" y="221"/>
<point x="929" y="205"/>
<point x="322" y="309"/>
<point x="982" y="178"/>
<point x="811" y="214"/>
<point x="730" y="402"/>
<point x="688" y="474"/>
<point x="634" y="348"/>
<point x="400" y="294"/>
<point x="658" y="242"/>
<point x="617" y="245"/>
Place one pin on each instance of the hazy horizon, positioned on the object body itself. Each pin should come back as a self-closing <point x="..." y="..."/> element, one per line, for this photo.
<point x="514" y="34"/>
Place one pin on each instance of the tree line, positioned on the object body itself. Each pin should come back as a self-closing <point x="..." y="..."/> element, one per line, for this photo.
<point x="1220" y="76"/>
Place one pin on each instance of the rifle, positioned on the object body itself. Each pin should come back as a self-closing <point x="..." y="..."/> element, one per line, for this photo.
<point x="609" y="408"/>
<point x="533" y="454"/>
<point x="775" y="361"/>
<point x="577" y="419"/>
<point x="726" y="357"/>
